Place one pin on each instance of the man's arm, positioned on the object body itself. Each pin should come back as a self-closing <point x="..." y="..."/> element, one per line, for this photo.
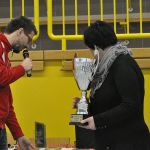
<point x="16" y="130"/>
<point x="10" y="74"/>
<point x="13" y="124"/>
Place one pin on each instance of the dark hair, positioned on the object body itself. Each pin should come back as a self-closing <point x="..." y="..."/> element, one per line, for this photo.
<point x="100" y="34"/>
<point x="21" y="22"/>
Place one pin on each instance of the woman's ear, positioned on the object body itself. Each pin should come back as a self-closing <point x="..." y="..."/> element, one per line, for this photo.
<point x="19" y="31"/>
<point x="96" y="51"/>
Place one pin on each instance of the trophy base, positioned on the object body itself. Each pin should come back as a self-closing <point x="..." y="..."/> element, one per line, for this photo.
<point x="76" y="119"/>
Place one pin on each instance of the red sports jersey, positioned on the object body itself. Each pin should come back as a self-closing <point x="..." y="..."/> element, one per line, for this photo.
<point x="8" y="75"/>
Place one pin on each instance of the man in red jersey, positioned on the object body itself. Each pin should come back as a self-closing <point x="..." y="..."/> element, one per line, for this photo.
<point x="18" y="34"/>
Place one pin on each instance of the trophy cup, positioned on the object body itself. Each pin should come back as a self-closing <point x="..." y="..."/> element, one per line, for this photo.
<point x="84" y="70"/>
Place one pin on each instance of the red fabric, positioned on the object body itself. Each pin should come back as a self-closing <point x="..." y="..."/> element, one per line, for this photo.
<point x="8" y="75"/>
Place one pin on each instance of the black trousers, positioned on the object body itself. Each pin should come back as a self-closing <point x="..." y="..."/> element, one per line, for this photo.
<point x="84" y="138"/>
<point x="3" y="140"/>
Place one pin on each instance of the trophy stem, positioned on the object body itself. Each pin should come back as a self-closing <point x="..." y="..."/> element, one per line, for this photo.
<point x="83" y="105"/>
<point x="83" y="98"/>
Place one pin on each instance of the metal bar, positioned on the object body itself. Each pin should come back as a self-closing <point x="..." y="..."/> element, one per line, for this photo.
<point x="115" y="27"/>
<point x="141" y="17"/>
<point x="127" y="13"/>
<point x="133" y="35"/>
<point x="64" y="44"/>
<point x="101" y="10"/>
<point x="23" y="8"/>
<point x="80" y="37"/>
<point x="63" y="21"/>
<point x="11" y="11"/>
<point x="89" y="13"/>
<point x="76" y="17"/>
<point x="50" y="19"/>
<point x="63" y="16"/>
<point x="36" y="18"/>
<point x="120" y="36"/>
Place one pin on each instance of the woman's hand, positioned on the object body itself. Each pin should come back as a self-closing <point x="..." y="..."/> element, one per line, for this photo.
<point x="75" y="102"/>
<point x="90" y="122"/>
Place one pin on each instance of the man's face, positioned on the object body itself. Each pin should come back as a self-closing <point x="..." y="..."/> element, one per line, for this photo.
<point x="23" y="39"/>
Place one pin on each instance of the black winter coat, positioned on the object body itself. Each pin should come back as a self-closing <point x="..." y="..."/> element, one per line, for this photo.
<point x="117" y="107"/>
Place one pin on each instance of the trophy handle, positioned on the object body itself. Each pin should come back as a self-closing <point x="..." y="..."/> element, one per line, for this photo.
<point x="75" y="56"/>
<point x="96" y="66"/>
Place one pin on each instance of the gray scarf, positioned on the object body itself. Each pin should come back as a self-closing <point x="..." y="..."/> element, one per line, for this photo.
<point x="105" y="63"/>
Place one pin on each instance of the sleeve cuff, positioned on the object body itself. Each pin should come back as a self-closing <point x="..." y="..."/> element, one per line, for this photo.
<point x="100" y="122"/>
<point x="18" y="135"/>
<point x="20" y="71"/>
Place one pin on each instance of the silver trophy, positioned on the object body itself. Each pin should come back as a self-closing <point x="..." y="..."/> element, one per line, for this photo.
<point x="84" y="70"/>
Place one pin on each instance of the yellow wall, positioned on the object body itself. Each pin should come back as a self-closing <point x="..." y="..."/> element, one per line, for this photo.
<point x="147" y="97"/>
<point x="47" y="97"/>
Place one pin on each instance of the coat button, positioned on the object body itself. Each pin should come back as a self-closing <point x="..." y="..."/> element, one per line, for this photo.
<point x="107" y="148"/>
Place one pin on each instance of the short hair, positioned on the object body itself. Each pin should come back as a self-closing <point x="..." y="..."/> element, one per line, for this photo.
<point x="21" y="22"/>
<point x="100" y="34"/>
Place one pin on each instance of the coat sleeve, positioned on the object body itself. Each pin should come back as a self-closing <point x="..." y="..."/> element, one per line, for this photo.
<point x="128" y="86"/>
<point x="9" y="74"/>
<point x="12" y="122"/>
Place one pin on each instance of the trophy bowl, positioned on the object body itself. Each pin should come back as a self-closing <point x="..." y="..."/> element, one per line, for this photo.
<point x="84" y="70"/>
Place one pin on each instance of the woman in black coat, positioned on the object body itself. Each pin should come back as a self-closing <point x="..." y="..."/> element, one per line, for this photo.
<point x="117" y="94"/>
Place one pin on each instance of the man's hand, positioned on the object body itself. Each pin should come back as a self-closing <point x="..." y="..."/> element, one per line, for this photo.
<point x="91" y="124"/>
<point x="27" y="64"/>
<point x="24" y="143"/>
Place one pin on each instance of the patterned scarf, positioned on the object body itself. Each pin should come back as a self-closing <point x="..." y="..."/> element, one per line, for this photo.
<point x="105" y="63"/>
